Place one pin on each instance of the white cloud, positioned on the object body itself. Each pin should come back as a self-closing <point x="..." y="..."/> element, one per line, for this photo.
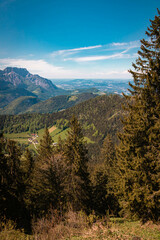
<point x="114" y="48"/>
<point x="75" y="66"/>
<point x="72" y="51"/>
<point x="118" y="44"/>
<point x="40" y="67"/>
<point x="103" y="57"/>
<point x="47" y="70"/>
<point x="132" y="44"/>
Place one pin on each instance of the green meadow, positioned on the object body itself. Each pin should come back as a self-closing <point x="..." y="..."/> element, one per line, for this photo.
<point x="22" y="137"/>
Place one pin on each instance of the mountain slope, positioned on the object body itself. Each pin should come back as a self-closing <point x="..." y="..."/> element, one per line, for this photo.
<point x="98" y="116"/>
<point x="31" y="104"/>
<point x="8" y="92"/>
<point x="59" y="103"/>
<point x="14" y="82"/>
<point x="20" y="105"/>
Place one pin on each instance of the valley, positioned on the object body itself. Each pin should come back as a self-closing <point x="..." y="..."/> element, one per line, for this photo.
<point x="22" y="92"/>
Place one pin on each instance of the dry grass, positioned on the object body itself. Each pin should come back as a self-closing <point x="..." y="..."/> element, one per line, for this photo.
<point x="55" y="228"/>
<point x="121" y="229"/>
<point x="8" y="231"/>
<point x="78" y="226"/>
<point x="52" y="129"/>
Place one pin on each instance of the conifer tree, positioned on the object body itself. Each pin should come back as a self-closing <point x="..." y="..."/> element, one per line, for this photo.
<point x="45" y="149"/>
<point x="29" y="163"/>
<point x="4" y="173"/>
<point x="103" y="179"/>
<point x="45" y="190"/>
<point x="12" y="185"/>
<point x="108" y="151"/>
<point x="139" y="150"/>
<point x="76" y="182"/>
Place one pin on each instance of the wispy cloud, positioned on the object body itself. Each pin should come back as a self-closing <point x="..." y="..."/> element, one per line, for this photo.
<point x="47" y="70"/>
<point x="98" y="52"/>
<point x="72" y="51"/>
<point x="84" y="62"/>
<point x="132" y="44"/>
<point x="103" y="57"/>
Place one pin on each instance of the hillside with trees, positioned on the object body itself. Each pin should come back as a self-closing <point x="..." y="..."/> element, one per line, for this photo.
<point x="30" y="104"/>
<point x="98" y="117"/>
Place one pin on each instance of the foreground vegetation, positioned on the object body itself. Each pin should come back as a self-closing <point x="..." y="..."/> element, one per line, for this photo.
<point x="77" y="226"/>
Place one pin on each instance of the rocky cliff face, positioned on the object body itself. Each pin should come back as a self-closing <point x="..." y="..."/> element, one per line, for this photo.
<point x="20" y="77"/>
<point x="17" y="82"/>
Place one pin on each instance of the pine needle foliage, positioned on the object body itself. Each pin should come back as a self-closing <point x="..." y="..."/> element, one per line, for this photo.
<point x="45" y="149"/>
<point x="139" y="150"/>
<point x="76" y="182"/>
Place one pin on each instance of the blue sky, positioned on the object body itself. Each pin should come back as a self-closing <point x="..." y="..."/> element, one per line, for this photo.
<point x="66" y="39"/>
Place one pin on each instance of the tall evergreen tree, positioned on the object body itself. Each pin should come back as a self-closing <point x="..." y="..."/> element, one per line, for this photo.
<point x="4" y="174"/>
<point x="103" y="179"/>
<point x="76" y="175"/>
<point x="12" y="184"/>
<point x="139" y="150"/>
<point x="45" y="149"/>
<point x="45" y="187"/>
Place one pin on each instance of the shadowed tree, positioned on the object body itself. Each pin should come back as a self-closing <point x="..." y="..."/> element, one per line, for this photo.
<point x="45" y="148"/>
<point x="76" y="182"/>
<point x="45" y="186"/>
<point x="139" y="151"/>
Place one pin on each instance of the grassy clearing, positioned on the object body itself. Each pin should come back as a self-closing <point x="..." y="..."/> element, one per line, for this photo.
<point x="54" y="132"/>
<point x="120" y="229"/>
<point x="23" y="135"/>
<point x="59" y="133"/>
<point x="88" y="140"/>
<point x="52" y="129"/>
<point x="72" y="98"/>
<point x="79" y="227"/>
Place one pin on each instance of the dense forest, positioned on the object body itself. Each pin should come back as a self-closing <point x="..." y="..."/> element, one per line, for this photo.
<point x="125" y="181"/>
<point x="98" y="117"/>
<point x="31" y="104"/>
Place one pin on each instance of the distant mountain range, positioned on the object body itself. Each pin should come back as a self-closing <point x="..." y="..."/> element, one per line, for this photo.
<point x="23" y="92"/>
<point x="18" y="82"/>
<point x="114" y="86"/>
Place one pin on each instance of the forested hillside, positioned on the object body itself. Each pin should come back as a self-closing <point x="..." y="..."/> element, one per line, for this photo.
<point x="31" y="104"/>
<point x="98" y="116"/>
<point x="19" y="105"/>
<point x="59" y="103"/>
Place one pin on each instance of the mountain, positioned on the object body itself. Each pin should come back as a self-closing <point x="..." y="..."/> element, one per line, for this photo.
<point x="16" y="82"/>
<point x="98" y="117"/>
<point x="31" y="104"/>
<point x="19" y="105"/>
<point x="20" y="77"/>
<point x="59" y="103"/>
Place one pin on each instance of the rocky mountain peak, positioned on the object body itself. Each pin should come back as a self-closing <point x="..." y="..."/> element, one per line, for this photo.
<point x="20" y="71"/>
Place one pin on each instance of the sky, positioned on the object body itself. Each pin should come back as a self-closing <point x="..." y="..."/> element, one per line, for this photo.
<point x="68" y="39"/>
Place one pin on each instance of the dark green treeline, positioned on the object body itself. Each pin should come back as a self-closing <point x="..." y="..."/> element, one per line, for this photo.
<point x="139" y="150"/>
